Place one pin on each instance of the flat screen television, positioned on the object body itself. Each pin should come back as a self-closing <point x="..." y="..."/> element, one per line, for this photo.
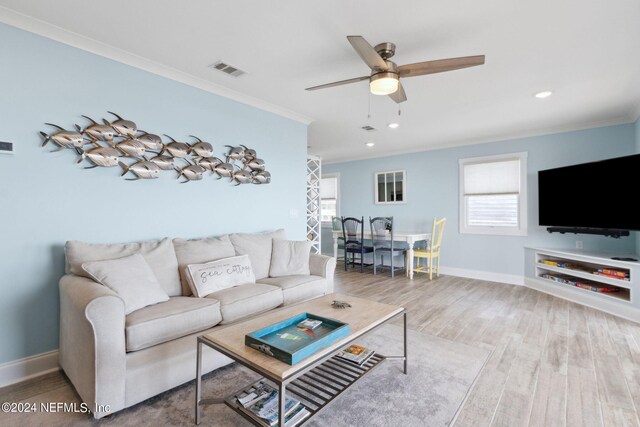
<point x="597" y="195"/>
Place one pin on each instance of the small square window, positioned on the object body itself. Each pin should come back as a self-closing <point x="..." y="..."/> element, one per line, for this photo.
<point x="390" y="187"/>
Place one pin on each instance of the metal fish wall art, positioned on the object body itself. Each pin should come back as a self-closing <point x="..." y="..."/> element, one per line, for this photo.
<point x="176" y="149"/>
<point x="64" y="138"/>
<point x="151" y="142"/>
<point x="122" y="126"/>
<point x="201" y="148"/>
<point x="99" y="132"/>
<point x="143" y="169"/>
<point x="113" y="141"/>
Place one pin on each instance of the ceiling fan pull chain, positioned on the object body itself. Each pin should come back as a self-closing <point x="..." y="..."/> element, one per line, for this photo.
<point x="399" y="110"/>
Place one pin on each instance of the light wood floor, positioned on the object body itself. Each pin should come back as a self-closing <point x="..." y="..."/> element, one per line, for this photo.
<point x="553" y="363"/>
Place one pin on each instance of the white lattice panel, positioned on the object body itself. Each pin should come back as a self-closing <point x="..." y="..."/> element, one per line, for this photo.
<point x="314" y="166"/>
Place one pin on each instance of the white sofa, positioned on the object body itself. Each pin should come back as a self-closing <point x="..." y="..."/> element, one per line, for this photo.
<point x="119" y="360"/>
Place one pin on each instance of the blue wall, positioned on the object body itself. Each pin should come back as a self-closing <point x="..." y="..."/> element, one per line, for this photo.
<point x="47" y="199"/>
<point x="432" y="191"/>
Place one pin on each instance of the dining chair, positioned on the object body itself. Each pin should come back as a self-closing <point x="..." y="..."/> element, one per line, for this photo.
<point x="353" y="234"/>
<point x="431" y="252"/>
<point x="382" y="242"/>
<point x="336" y="225"/>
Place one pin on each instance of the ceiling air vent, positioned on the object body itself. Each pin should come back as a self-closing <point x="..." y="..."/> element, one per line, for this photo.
<point x="227" y="69"/>
<point x="368" y="128"/>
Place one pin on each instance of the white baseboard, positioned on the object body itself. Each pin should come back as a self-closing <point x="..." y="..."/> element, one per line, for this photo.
<point x="28" y="367"/>
<point x="489" y="276"/>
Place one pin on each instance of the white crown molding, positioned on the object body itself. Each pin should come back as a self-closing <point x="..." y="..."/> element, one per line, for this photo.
<point x="630" y="118"/>
<point x="20" y="370"/>
<point x="45" y="29"/>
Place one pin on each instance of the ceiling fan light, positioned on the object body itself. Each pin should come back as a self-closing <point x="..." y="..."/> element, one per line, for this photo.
<point x="383" y="83"/>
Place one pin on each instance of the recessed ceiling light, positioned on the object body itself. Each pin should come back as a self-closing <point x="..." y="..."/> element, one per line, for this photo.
<point x="370" y="144"/>
<point x="393" y="125"/>
<point x="543" y="94"/>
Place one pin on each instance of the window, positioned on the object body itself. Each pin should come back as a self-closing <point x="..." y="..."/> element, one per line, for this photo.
<point x="493" y="198"/>
<point x="390" y="187"/>
<point x="328" y="198"/>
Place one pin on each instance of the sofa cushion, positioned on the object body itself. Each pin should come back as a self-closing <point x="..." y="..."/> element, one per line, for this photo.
<point x="289" y="258"/>
<point x="159" y="254"/>
<point x="258" y="247"/>
<point x="197" y="251"/>
<point x="246" y="300"/>
<point x="178" y="317"/>
<point x="220" y="274"/>
<point x="131" y="278"/>
<point x="299" y="287"/>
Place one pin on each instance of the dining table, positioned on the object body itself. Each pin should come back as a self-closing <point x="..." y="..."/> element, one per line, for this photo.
<point x="410" y="238"/>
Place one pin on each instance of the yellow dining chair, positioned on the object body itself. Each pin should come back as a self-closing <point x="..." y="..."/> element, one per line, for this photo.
<point x="431" y="252"/>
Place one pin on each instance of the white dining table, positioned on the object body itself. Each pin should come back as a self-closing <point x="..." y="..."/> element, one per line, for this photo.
<point x="398" y="236"/>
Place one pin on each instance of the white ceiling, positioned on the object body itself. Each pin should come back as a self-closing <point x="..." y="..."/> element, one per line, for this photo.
<point x="586" y="51"/>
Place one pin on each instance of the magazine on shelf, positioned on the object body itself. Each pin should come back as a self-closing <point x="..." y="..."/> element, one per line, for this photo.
<point x="356" y="354"/>
<point x="261" y="401"/>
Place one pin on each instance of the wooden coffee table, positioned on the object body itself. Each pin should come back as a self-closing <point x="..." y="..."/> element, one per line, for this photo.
<point x="322" y="371"/>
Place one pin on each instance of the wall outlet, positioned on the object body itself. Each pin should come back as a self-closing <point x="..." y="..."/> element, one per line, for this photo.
<point x="293" y="213"/>
<point x="578" y="244"/>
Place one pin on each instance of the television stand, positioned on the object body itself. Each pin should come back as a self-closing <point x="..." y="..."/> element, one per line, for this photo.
<point x="595" y="280"/>
<point x="616" y="234"/>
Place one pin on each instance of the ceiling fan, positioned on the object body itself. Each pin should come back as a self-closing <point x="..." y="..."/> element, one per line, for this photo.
<point x="385" y="74"/>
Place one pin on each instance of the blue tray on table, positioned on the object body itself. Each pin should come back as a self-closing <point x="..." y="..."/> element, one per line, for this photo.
<point x="297" y="344"/>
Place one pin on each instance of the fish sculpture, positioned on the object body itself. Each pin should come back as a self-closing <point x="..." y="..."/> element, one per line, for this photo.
<point x="223" y="170"/>
<point x="143" y="169"/>
<point x="131" y="148"/>
<point x="176" y="149"/>
<point x="201" y="148"/>
<point x="235" y="153"/>
<point x="255" y="164"/>
<point x="150" y="141"/>
<point x="209" y="162"/>
<point x="99" y="156"/>
<point x="166" y="163"/>
<point x="64" y="138"/>
<point x="249" y="153"/>
<point x="242" y="177"/>
<point x="123" y="127"/>
<point x="262" y="177"/>
<point x="191" y="172"/>
<point x="99" y="132"/>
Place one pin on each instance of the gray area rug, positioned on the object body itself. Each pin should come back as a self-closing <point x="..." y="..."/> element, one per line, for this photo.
<point x="441" y="373"/>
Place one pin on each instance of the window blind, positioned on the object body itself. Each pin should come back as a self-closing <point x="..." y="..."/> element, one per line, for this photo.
<point x="500" y="177"/>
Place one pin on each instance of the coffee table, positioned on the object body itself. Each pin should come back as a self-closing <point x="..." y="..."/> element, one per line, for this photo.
<point x="319" y="378"/>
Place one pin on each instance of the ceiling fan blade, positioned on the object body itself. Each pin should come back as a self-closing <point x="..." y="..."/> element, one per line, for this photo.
<point x="340" y="83"/>
<point x="399" y="95"/>
<point x="367" y="53"/>
<point x="439" y="66"/>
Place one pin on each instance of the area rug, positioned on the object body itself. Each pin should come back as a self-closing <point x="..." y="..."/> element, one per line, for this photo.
<point x="441" y="373"/>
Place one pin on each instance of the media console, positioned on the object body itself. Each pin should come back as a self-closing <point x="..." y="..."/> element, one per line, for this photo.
<point x="591" y="279"/>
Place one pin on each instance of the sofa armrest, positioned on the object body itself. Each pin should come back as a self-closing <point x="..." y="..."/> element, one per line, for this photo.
<point x="324" y="266"/>
<point x="92" y="342"/>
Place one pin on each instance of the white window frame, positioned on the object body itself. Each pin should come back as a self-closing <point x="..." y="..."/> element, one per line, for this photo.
<point x="404" y="187"/>
<point x="521" y="230"/>
<point x="335" y="175"/>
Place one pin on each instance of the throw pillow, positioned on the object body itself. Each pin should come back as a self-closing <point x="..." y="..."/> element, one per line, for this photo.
<point x="198" y="251"/>
<point x="258" y="247"/>
<point x="131" y="278"/>
<point x="289" y="258"/>
<point x="220" y="274"/>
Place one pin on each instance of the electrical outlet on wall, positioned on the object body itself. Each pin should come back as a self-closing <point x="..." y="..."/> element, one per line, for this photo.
<point x="578" y="244"/>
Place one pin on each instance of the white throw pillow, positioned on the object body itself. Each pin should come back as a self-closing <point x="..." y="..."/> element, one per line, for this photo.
<point x="131" y="278"/>
<point x="289" y="257"/>
<point x="219" y="274"/>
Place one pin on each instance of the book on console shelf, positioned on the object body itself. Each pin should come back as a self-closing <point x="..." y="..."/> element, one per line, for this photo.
<point x="583" y="284"/>
<point x="356" y="354"/>
<point x="260" y="402"/>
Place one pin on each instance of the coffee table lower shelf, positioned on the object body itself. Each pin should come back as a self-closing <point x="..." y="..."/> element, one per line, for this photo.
<point x="319" y="387"/>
